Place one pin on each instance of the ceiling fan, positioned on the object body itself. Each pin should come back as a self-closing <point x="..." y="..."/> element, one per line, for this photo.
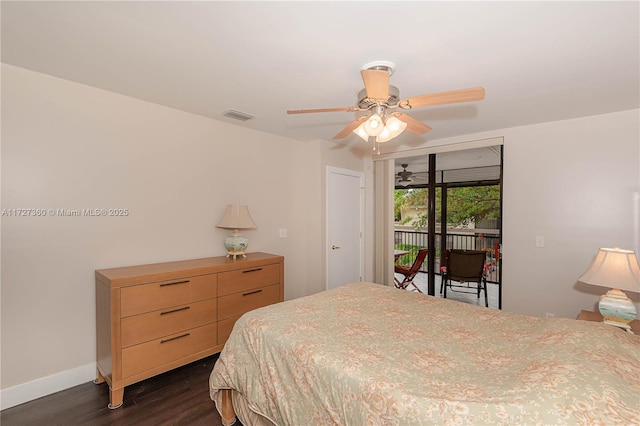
<point x="406" y="177"/>
<point x="381" y="104"/>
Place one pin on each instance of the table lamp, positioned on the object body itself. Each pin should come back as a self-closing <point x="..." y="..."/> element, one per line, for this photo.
<point x="616" y="269"/>
<point x="236" y="217"/>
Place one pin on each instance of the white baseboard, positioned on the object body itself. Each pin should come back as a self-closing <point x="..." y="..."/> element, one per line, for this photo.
<point x="25" y="392"/>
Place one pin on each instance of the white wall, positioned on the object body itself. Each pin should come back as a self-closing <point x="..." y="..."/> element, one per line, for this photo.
<point x="70" y="146"/>
<point x="572" y="182"/>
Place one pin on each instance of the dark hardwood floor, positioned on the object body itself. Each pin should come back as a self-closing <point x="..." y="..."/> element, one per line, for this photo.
<point x="178" y="397"/>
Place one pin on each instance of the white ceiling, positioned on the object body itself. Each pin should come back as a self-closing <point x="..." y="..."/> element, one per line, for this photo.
<point x="538" y="61"/>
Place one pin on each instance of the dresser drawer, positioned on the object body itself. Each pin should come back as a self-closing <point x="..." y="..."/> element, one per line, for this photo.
<point x="245" y="279"/>
<point x="149" y="355"/>
<point x="155" y="296"/>
<point x="153" y="325"/>
<point x="236" y="304"/>
<point x="225" y="327"/>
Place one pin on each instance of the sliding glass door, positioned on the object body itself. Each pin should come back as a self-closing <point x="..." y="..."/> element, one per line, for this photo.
<point x="450" y="200"/>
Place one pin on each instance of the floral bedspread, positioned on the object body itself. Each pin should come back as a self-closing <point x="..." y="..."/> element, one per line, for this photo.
<point x="366" y="354"/>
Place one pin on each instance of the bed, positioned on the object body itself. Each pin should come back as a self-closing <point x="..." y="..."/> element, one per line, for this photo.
<point x="367" y="354"/>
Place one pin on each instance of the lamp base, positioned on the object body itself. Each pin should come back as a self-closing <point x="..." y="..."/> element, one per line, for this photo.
<point x="236" y="245"/>
<point x="617" y="309"/>
<point x="617" y="324"/>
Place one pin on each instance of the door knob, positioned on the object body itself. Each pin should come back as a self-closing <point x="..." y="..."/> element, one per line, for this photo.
<point x="333" y="247"/>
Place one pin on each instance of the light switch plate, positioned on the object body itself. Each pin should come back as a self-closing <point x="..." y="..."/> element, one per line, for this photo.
<point x="539" y="241"/>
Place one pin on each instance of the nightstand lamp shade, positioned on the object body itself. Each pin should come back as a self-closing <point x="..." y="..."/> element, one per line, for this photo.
<point x="616" y="269"/>
<point x="236" y="217"/>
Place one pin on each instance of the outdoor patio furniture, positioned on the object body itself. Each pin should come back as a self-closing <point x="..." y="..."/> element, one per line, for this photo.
<point x="409" y="272"/>
<point x="465" y="273"/>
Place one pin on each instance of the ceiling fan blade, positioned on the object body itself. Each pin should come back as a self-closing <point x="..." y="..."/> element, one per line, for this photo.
<point x="376" y="83"/>
<point x="414" y="126"/>
<point x="455" y="96"/>
<point x="339" y="109"/>
<point x="350" y="128"/>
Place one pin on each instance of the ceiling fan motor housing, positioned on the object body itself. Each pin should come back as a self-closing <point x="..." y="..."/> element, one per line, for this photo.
<point x="366" y="103"/>
<point x="388" y="66"/>
<point x="405" y="174"/>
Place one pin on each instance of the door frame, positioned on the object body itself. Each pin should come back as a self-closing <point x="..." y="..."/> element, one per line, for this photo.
<point x="384" y="191"/>
<point x="337" y="170"/>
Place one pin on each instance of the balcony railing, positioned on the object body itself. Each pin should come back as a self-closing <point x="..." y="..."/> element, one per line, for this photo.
<point x="412" y="241"/>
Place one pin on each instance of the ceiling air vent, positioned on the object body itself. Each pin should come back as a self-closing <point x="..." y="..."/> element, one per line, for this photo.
<point x="237" y="115"/>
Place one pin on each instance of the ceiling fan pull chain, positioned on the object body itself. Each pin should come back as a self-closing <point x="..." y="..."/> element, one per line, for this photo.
<point x="376" y="147"/>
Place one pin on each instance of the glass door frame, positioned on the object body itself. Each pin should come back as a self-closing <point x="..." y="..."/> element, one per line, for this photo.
<point x="384" y="225"/>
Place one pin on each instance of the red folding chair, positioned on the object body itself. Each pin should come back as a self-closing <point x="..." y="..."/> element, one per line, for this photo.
<point x="409" y="272"/>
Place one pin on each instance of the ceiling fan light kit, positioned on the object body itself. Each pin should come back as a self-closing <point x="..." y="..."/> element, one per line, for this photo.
<point x="393" y="128"/>
<point x="381" y="126"/>
<point x="379" y="98"/>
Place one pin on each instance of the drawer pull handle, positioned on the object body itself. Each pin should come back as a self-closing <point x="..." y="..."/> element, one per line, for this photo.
<point x="174" y="338"/>
<point x="175" y="310"/>
<point x="251" y="292"/>
<point x="175" y="283"/>
<point x="252" y="270"/>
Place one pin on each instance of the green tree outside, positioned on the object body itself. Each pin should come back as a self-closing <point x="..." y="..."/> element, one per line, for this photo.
<point x="465" y="205"/>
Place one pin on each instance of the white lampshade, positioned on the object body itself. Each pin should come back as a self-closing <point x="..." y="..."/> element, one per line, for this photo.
<point x="374" y="125"/>
<point x="361" y="132"/>
<point x="392" y="129"/>
<point x="396" y="126"/>
<point x="614" y="268"/>
<point x="385" y="135"/>
<point x="236" y="216"/>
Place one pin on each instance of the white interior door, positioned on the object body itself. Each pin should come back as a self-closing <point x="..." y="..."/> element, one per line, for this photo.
<point x="345" y="213"/>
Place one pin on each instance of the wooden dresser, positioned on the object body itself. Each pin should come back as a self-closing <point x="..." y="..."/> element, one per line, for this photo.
<point x="153" y="318"/>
